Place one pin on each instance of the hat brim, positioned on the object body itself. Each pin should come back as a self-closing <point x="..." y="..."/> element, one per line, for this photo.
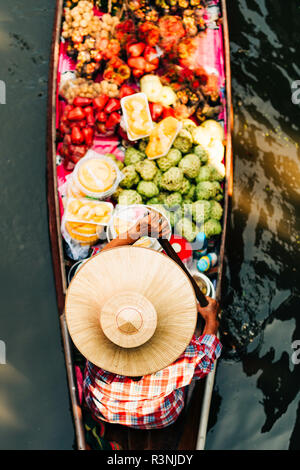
<point x="142" y="270"/>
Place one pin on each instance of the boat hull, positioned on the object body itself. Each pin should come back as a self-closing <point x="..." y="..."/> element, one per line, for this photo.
<point x="189" y="431"/>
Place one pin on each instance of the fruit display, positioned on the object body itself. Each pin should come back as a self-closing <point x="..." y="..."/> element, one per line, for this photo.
<point x="83" y="210"/>
<point x="96" y="176"/>
<point x="82" y="119"/>
<point x="162" y="137"/>
<point x="85" y="234"/>
<point x="91" y="37"/>
<point x="87" y="89"/>
<point x="185" y="182"/>
<point x="138" y="88"/>
<point x="137" y="116"/>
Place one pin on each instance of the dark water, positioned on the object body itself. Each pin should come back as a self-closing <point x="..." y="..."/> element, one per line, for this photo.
<point x="256" y="398"/>
<point x="34" y="407"/>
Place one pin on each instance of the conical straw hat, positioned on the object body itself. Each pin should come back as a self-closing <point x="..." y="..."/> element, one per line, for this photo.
<point x="131" y="310"/>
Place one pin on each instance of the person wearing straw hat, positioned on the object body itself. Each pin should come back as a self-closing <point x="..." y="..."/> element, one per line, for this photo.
<point x="132" y="313"/>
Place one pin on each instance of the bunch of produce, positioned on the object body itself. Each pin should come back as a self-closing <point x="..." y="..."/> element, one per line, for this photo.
<point x="150" y="47"/>
<point x="186" y="183"/>
<point x="81" y="119"/>
<point x="179" y="4"/>
<point x="117" y="71"/>
<point x="127" y="49"/>
<point x="76" y="130"/>
<point x="143" y="10"/>
<point x="161" y="97"/>
<point x="141" y="58"/>
<point x="80" y="21"/>
<point x="91" y="38"/>
<point x="196" y="91"/>
<point x="87" y="89"/>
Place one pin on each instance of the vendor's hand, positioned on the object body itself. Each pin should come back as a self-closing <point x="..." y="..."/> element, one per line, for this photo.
<point x="150" y="225"/>
<point x="211" y="311"/>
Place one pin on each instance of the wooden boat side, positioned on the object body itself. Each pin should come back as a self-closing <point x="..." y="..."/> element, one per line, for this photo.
<point x="52" y="194"/>
<point x="187" y="428"/>
<point x="54" y="226"/>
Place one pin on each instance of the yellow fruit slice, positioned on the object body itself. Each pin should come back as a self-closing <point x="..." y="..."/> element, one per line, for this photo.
<point x="96" y="175"/>
<point x="82" y="229"/>
<point x="161" y="137"/>
<point x="84" y="239"/>
<point x="85" y="210"/>
<point x="137" y="116"/>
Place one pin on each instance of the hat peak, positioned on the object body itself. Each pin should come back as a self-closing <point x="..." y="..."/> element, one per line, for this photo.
<point x="129" y="320"/>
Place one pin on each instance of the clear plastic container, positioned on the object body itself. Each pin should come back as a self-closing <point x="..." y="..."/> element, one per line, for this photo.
<point x="84" y="210"/>
<point x="96" y="176"/>
<point x="162" y="137"/>
<point x="137" y="116"/>
<point x="129" y="216"/>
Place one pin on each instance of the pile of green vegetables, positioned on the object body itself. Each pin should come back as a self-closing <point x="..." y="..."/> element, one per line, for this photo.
<point x="184" y="185"/>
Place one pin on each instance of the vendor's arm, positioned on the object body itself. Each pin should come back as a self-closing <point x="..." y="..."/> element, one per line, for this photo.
<point x="210" y="316"/>
<point x="208" y="345"/>
<point x="119" y="241"/>
<point x="149" y="225"/>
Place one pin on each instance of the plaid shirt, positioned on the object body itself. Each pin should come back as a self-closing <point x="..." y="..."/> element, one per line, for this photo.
<point x="156" y="400"/>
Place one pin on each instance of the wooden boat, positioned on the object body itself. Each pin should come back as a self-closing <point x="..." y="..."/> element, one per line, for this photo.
<point x="189" y="432"/>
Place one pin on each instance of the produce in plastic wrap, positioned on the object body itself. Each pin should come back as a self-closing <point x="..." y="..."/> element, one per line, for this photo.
<point x="84" y="233"/>
<point x="97" y="176"/>
<point x="215" y="129"/>
<point x="162" y="137"/>
<point x="137" y="116"/>
<point x="215" y="150"/>
<point x="85" y="210"/>
<point x="201" y="136"/>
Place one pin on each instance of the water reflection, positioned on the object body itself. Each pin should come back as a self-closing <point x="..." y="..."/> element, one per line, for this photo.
<point x="255" y="404"/>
